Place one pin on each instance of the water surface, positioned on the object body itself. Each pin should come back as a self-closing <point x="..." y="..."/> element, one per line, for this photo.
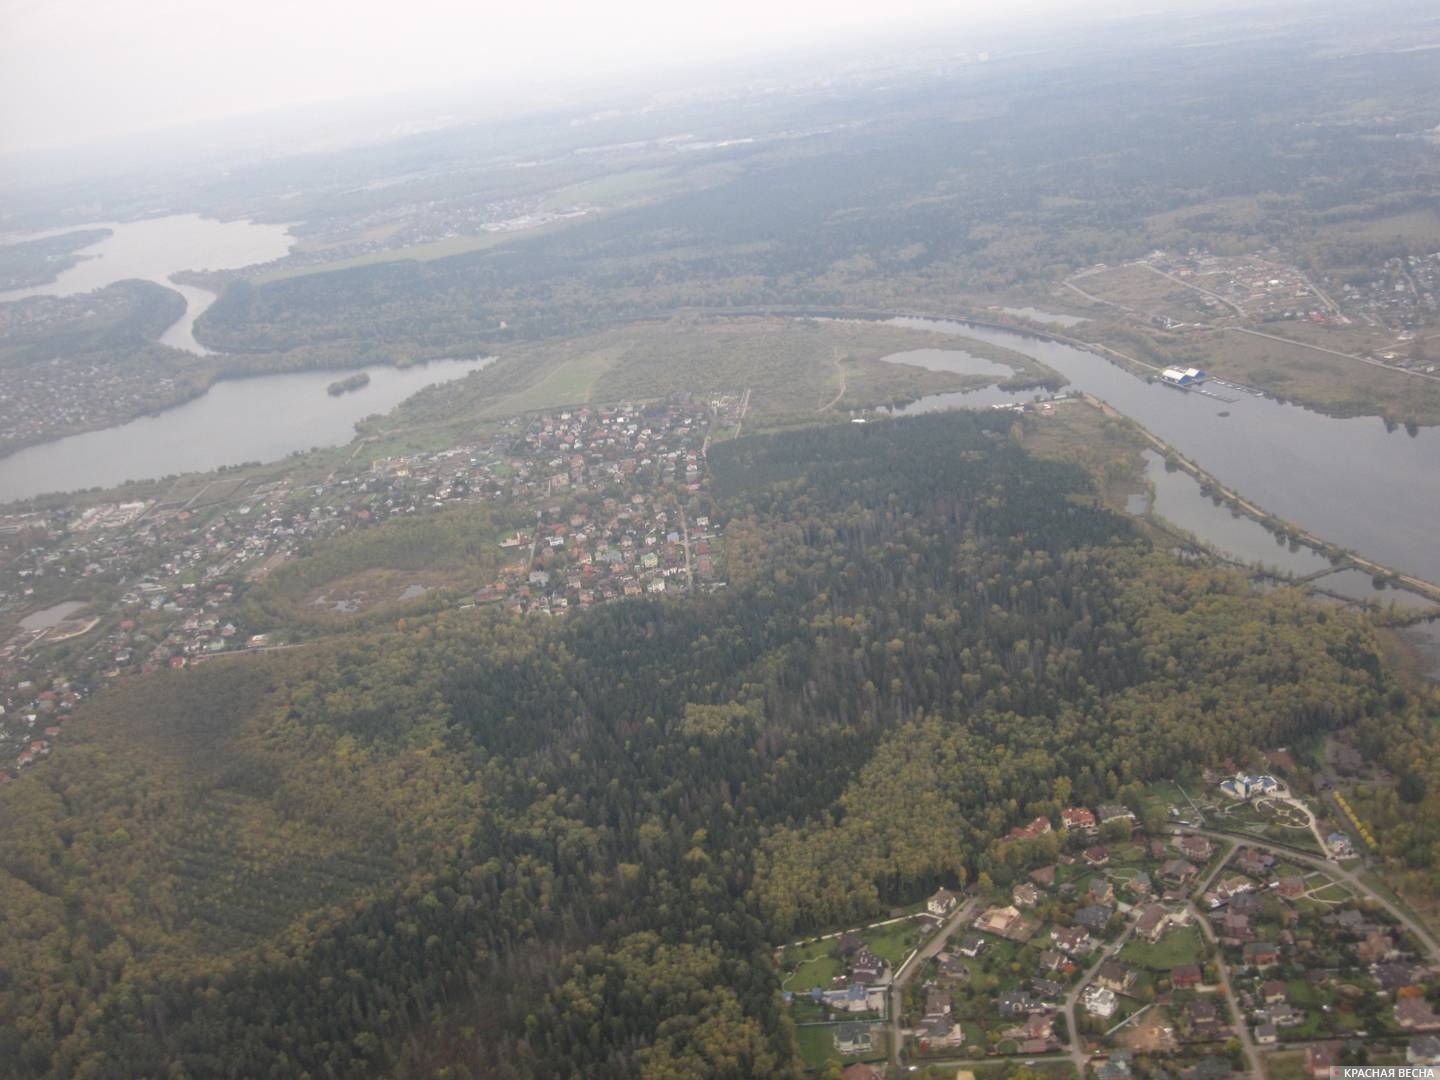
<point x="1050" y="318"/>
<point x="154" y="249"/>
<point x="235" y="421"/>
<point x="1352" y="482"/>
<point x="51" y="616"/>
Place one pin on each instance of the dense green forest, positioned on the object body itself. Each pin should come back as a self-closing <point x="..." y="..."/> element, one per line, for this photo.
<point x="470" y="844"/>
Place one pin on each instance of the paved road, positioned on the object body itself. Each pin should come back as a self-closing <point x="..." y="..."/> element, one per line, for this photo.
<point x="1350" y="877"/>
<point x="1242" y="1028"/>
<point x="1078" y="1057"/>
<point x="961" y="917"/>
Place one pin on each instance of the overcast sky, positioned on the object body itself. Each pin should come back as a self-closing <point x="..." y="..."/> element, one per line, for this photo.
<point x="75" y="70"/>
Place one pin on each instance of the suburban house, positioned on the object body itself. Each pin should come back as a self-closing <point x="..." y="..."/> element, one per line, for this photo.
<point x="972" y="945"/>
<point x="1095" y="917"/>
<point x="937" y="1003"/>
<point x="1017" y="1004"/>
<point x="1102" y="892"/>
<point x="1253" y="862"/>
<point x="1078" y="819"/>
<point x="1051" y="961"/>
<point x="1184" y="976"/>
<point x="1138" y="886"/>
<point x="1047" y="989"/>
<point x="1097" y="855"/>
<point x="1178" y="872"/>
<point x="866" y="967"/>
<point x="942" y="903"/>
<point x="1026" y="894"/>
<point x="1321" y="1057"/>
<point x="1112" y="812"/>
<point x="1115" y="976"/>
<point x="1195" y="848"/>
<point x="1152" y="923"/>
<point x="998" y="920"/>
<point x="1036" y="829"/>
<point x="1100" y="1002"/>
<point x="1415" y="1014"/>
<point x="852" y="1038"/>
<point x="1234" y="928"/>
<point x="854" y="998"/>
<point x="1071" y="939"/>
<point x="847" y="945"/>
<point x="1292" y="887"/>
<point x="1259" y="954"/>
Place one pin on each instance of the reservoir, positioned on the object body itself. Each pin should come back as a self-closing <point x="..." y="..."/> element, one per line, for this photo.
<point x="1352" y="482"/>
<point x="236" y="420"/>
<point x="152" y="250"/>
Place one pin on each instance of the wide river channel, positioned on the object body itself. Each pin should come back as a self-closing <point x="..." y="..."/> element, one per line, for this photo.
<point x="1352" y="482"/>
<point x="236" y="420"/>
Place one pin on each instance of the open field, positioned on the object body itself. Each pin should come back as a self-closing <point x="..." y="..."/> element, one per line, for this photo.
<point x="893" y="943"/>
<point x="1180" y="946"/>
<point x="1333" y="384"/>
<point x="1143" y="290"/>
<point x="439" y="249"/>
<point x="795" y="370"/>
<point x="616" y="188"/>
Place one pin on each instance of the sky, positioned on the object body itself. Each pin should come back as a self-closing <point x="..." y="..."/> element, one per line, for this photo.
<point x="72" y="71"/>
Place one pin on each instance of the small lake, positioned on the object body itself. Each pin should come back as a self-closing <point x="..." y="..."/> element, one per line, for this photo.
<point x="51" y="616"/>
<point x="958" y="362"/>
<point x="236" y="420"/>
<point x="154" y="249"/>
<point x="1352" y="482"/>
<point x="1049" y="318"/>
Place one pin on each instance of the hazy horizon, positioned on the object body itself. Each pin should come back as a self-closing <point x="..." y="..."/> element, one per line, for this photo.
<point x="76" y="73"/>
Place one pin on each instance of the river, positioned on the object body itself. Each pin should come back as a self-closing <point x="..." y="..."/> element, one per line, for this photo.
<point x="1352" y="481"/>
<point x="153" y="249"/>
<point x="237" y="420"/>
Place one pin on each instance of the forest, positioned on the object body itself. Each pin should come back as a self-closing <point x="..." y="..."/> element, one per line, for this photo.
<point x="470" y="844"/>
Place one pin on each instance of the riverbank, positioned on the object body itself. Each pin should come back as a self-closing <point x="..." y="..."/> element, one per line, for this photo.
<point x="1369" y="490"/>
<point x="1276" y="526"/>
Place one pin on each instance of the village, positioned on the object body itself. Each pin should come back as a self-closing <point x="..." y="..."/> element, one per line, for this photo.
<point x="597" y="496"/>
<point x="1385" y="313"/>
<point x="1177" y="938"/>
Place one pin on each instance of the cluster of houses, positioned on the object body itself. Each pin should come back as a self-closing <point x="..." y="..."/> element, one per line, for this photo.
<point x="1403" y="294"/>
<point x="87" y="391"/>
<point x="640" y="546"/>
<point x="601" y="483"/>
